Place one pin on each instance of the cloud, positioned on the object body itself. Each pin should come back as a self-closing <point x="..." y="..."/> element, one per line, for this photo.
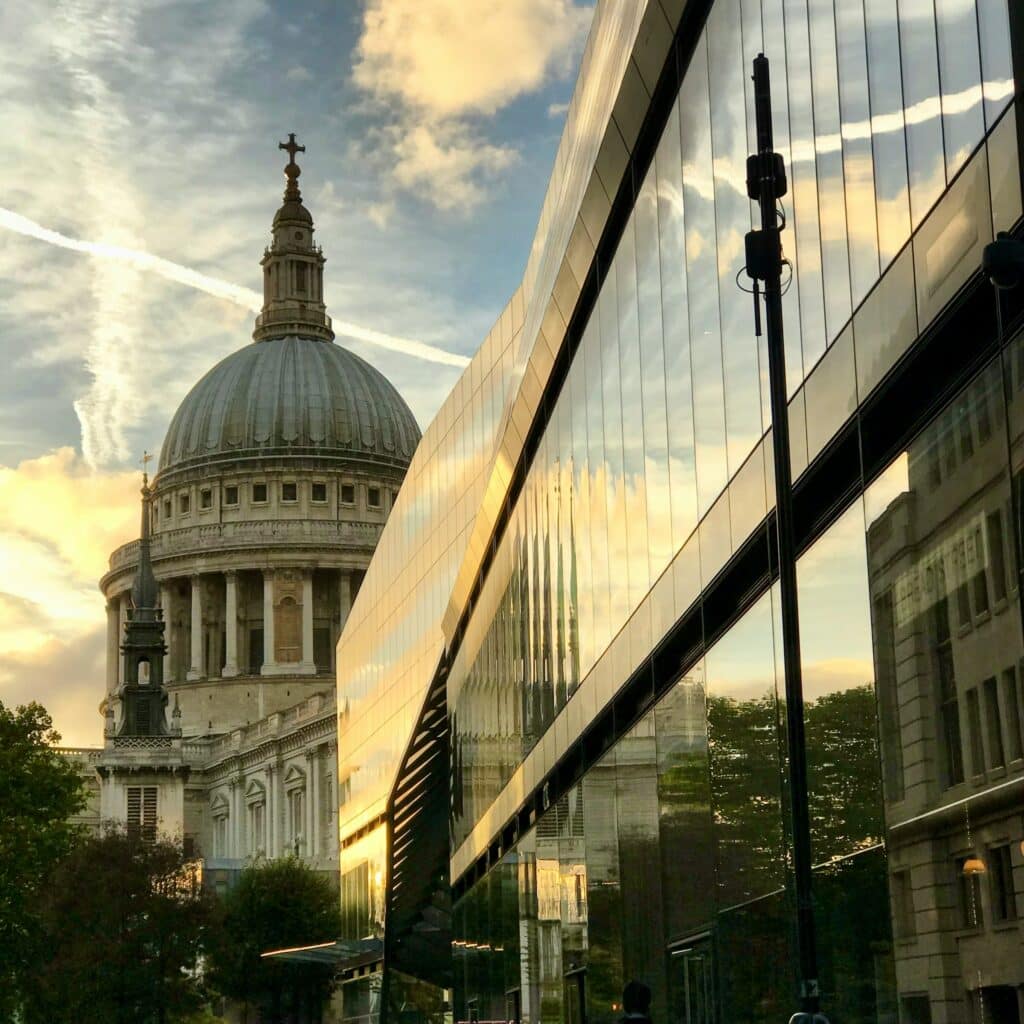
<point x="441" y="65"/>
<point x="446" y="164"/>
<point x="93" y="405"/>
<point x="59" y="521"/>
<point x="298" y="74"/>
<point x="557" y="109"/>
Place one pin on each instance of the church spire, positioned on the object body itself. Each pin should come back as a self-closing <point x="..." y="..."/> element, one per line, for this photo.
<point x="144" y="589"/>
<point x="293" y="267"/>
<point x="142" y="694"/>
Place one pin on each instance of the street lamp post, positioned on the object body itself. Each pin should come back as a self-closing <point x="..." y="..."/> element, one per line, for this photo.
<point x="766" y="183"/>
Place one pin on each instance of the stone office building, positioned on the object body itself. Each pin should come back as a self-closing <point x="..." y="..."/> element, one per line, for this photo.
<point x="277" y="474"/>
<point x="582" y="664"/>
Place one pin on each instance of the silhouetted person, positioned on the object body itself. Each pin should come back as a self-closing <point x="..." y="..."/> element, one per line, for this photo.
<point x="636" y="1003"/>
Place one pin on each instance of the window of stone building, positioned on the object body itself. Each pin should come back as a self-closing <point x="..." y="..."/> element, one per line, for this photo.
<point x="916" y="1009"/>
<point x="167" y="508"/>
<point x="257" y="826"/>
<point x="1004" y="899"/>
<point x="296" y="808"/>
<point x="231" y="495"/>
<point x="318" y="492"/>
<point x="373" y="497"/>
<point x="1011" y="701"/>
<point x="300" y="277"/>
<point x="220" y="835"/>
<point x="206" y="498"/>
<point x="184" y="504"/>
<point x="974" y="732"/>
<point x="993" y="724"/>
<point x="969" y="893"/>
<point x="949" y="703"/>
<point x="348" y="494"/>
<point x="259" y="493"/>
<point x="289" y="491"/>
<point x="903" y="905"/>
<point x="981" y="604"/>
<point x="997" y="555"/>
<point x="141" y="816"/>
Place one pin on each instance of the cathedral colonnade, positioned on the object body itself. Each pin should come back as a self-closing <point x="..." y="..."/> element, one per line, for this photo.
<point x="269" y="622"/>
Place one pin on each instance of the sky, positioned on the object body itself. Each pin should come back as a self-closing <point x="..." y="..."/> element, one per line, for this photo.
<point x="141" y="173"/>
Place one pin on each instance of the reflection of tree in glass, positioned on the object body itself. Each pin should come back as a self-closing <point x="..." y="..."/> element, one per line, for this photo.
<point x="845" y="788"/>
<point x="743" y="740"/>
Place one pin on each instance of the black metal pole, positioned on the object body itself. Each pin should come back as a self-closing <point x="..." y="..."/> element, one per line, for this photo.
<point x="766" y="182"/>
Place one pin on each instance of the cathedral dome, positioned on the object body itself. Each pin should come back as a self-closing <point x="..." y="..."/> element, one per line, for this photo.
<point x="291" y="396"/>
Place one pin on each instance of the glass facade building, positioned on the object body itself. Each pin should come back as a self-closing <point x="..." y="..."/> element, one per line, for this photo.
<point x="598" y="616"/>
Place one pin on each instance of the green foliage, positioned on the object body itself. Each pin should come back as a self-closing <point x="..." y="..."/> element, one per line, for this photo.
<point x="123" y="921"/>
<point x="39" y="791"/>
<point x="275" y="905"/>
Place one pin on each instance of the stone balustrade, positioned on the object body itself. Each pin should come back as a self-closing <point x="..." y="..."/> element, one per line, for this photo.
<point x="212" y="537"/>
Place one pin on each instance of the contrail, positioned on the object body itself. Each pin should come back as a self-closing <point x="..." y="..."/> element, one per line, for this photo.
<point x="214" y="286"/>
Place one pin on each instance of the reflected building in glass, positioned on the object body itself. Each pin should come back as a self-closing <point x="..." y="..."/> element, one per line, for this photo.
<point x="562" y="724"/>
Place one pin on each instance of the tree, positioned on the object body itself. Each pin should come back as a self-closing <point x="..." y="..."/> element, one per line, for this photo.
<point x="123" y="921"/>
<point x="276" y="904"/>
<point x="39" y="791"/>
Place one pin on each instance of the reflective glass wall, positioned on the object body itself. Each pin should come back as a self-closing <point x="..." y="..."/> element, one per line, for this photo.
<point x="392" y="641"/>
<point x="668" y="861"/>
<point x="655" y="442"/>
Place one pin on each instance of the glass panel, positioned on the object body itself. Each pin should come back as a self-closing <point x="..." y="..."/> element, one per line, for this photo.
<point x="675" y="320"/>
<point x="775" y="42"/>
<point x="702" y="282"/>
<point x="996" y="58"/>
<point x="858" y="161"/>
<point x="618" y="563"/>
<point x="804" y="183"/>
<point x="919" y="52"/>
<point x="960" y="73"/>
<point x="732" y="222"/>
<point x="652" y="367"/>
<point x="632" y="417"/>
<point x="888" y="141"/>
<point x="750" y="929"/>
<point x="835" y="257"/>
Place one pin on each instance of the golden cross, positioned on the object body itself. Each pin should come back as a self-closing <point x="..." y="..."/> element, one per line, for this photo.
<point x="145" y="460"/>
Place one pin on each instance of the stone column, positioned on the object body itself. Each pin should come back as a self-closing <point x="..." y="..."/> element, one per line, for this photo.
<point x="196" y="665"/>
<point x="268" y="622"/>
<point x="122" y="621"/>
<point x="307" y="824"/>
<point x="113" y="644"/>
<point x="308" y="661"/>
<point x="230" y="624"/>
<point x="233" y="816"/>
<point x="314" y="806"/>
<point x="269" y="808"/>
<point x="165" y="607"/>
<point x="344" y="598"/>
